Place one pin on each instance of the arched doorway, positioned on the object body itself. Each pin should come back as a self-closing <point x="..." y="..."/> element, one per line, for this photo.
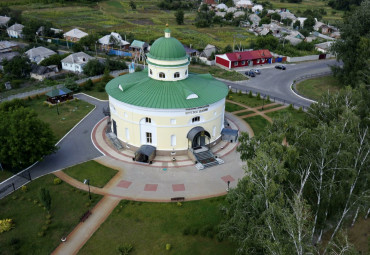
<point x="197" y="137"/>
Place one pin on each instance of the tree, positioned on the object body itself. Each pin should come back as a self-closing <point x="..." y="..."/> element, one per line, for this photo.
<point x="77" y="47"/>
<point x="309" y="23"/>
<point x="276" y="16"/>
<point x="132" y="5"/>
<point x="354" y="48"/>
<point x="93" y="67"/>
<point x="266" y="42"/>
<point x="71" y="85"/>
<point x="297" y="24"/>
<point x="88" y="85"/>
<point x="265" y="20"/>
<point x="179" y="15"/>
<point x="228" y="49"/>
<point x="89" y="41"/>
<point x="113" y="65"/>
<point x="54" y="60"/>
<point x="24" y="138"/>
<point x="18" y="67"/>
<point x="287" y="22"/>
<point x="45" y="198"/>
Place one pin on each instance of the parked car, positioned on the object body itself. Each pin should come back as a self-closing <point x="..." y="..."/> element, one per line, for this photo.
<point x="250" y="73"/>
<point x="256" y="71"/>
<point x="280" y="67"/>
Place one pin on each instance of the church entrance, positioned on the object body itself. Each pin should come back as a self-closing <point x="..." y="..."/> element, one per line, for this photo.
<point x="197" y="136"/>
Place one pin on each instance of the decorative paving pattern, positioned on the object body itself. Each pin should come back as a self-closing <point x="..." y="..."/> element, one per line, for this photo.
<point x="150" y="187"/>
<point x="178" y="187"/>
<point x="124" y="184"/>
<point x="227" y="178"/>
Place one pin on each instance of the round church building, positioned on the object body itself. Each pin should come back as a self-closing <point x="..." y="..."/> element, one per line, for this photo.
<point x="164" y="108"/>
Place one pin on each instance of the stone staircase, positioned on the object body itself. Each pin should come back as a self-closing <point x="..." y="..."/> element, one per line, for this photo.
<point x="206" y="159"/>
<point x="115" y="141"/>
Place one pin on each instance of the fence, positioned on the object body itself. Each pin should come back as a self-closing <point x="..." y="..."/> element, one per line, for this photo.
<point x="305" y="77"/>
<point x="308" y="58"/>
<point x="17" y="181"/>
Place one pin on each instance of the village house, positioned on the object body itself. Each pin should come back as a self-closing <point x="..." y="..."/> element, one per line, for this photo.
<point x="245" y="4"/>
<point x="7" y="46"/>
<point x="257" y="8"/>
<point x="39" y="54"/>
<point x="243" y="59"/>
<point x="15" y="31"/>
<point x="74" y="35"/>
<point x="4" y="21"/>
<point x="222" y="7"/>
<point x="323" y="47"/>
<point x="113" y="40"/>
<point x="255" y="20"/>
<point x="137" y="45"/>
<point x="293" y="40"/>
<point x="43" y="72"/>
<point x="75" y="62"/>
<point x="208" y="50"/>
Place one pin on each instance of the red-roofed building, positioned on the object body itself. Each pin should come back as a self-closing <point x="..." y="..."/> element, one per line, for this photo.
<point x="210" y="2"/>
<point x="244" y="58"/>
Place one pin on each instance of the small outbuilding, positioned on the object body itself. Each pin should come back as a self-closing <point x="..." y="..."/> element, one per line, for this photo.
<point x="230" y="135"/>
<point x="59" y="95"/>
<point x="145" y="154"/>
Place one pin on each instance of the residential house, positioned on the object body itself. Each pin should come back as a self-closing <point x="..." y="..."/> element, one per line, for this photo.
<point x="297" y="34"/>
<point x="232" y="9"/>
<point x="244" y="58"/>
<point x="39" y="54"/>
<point x="323" y="47"/>
<point x="75" y="62"/>
<point x="239" y="14"/>
<point x="113" y="40"/>
<point x="255" y="20"/>
<point x="191" y="52"/>
<point x="301" y="20"/>
<point x="293" y="40"/>
<point x="7" y="46"/>
<point x="221" y="14"/>
<point x="208" y="50"/>
<point x="244" y="4"/>
<point x="8" y="56"/>
<point x="318" y="25"/>
<point x="4" y="21"/>
<point x="335" y="35"/>
<point x="310" y="38"/>
<point x="288" y="15"/>
<point x="257" y="8"/>
<point x="56" y="30"/>
<point x="74" y="35"/>
<point x="222" y="7"/>
<point x="137" y="45"/>
<point x="15" y="31"/>
<point x="327" y="29"/>
<point x="43" y="72"/>
<point x="325" y="37"/>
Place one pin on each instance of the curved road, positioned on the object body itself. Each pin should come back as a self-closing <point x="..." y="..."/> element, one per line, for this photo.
<point x="74" y="148"/>
<point x="77" y="147"/>
<point x="276" y="82"/>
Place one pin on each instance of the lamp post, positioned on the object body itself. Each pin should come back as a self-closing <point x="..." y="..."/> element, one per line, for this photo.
<point x="87" y="181"/>
<point x="58" y="101"/>
<point x="228" y="186"/>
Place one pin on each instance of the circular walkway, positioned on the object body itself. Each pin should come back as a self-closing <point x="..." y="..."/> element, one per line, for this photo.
<point x="165" y="179"/>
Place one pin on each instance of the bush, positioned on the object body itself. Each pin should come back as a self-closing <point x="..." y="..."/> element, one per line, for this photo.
<point x="41" y="234"/>
<point x="88" y="85"/>
<point x="179" y="204"/>
<point x="250" y="95"/>
<point x="125" y="249"/>
<point x="57" y="181"/>
<point x="168" y="247"/>
<point x="290" y="107"/>
<point x="186" y="231"/>
<point x="194" y="231"/>
<point x="239" y="93"/>
<point x="300" y="109"/>
<point x="24" y="188"/>
<point x="258" y="96"/>
<point x="268" y="98"/>
<point x="6" y="225"/>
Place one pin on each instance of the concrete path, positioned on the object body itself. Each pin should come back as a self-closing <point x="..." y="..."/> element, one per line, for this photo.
<point x="84" y="230"/>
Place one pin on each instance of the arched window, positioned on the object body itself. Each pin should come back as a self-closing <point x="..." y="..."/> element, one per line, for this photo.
<point x="176" y="75"/>
<point x="151" y="72"/>
<point x="148" y="120"/>
<point x="162" y="75"/>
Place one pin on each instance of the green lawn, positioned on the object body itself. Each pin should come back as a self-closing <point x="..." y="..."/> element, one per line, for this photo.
<point x="67" y="206"/>
<point x="150" y="226"/>
<point x="270" y="107"/>
<point x="97" y="94"/>
<point x="257" y="123"/>
<point x="69" y="114"/>
<point x="98" y="174"/>
<point x="296" y="116"/>
<point x="244" y="113"/>
<point x="316" y="87"/>
<point x="217" y="72"/>
<point x="230" y="107"/>
<point x="245" y="99"/>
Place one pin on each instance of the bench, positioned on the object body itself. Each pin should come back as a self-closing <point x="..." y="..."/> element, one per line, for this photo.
<point x="177" y="198"/>
<point x="85" y="216"/>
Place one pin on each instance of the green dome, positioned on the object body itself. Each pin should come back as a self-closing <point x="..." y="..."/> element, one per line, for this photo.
<point x="167" y="49"/>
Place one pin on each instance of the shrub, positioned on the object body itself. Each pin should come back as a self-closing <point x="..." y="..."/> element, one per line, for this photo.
<point x="48" y="216"/>
<point x="250" y="94"/>
<point x="186" y="231"/>
<point x="44" y="228"/>
<point x="300" y="109"/>
<point x="41" y="233"/>
<point x="168" y="247"/>
<point x="239" y="93"/>
<point x="88" y="85"/>
<point x="6" y="225"/>
<point x="29" y="98"/>
<point x="258" y="96"/>
<point x="194" y="231"/>
<point x="24" y="188"/>
<point x="57" y="181"/>
<point x="125" y="249"/>
<point x="290" y="107"/>
<point x="230" y="97"/>
<point x="268" y="98"/>
<point x="45" y="103"/>
<point x="179" y="204"/>
<point x="47" y="222"/>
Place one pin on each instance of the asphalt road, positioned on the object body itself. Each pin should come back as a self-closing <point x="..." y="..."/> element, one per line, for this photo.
<point x="277" y="83"/>
<point x="75" y="148"/>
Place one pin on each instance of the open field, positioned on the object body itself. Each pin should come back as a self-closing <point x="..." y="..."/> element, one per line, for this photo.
<point x="190" y="229"/>
<point x="257" y="123"/>
<point x="245" y="99"/>
<point x="316" y="87"/>
<point x="33" y="233"/>
<point x="230" y="107"/>
<point x="97" y="174"/>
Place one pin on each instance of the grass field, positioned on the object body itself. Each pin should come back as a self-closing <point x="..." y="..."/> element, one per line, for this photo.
<point x="245" y="99"/>
<point x="296" y="116"/>
<point x="69" y="114"/>
<point x="316" y="87"/>
<point x="257" y="123"/>
<point x="97" y="174"/>
<point x="217" y="72"/>
<point x="24" y="208"/>
<point x="230" y="107"/>
<point x="190" y="229"/>
<point x="244" y="113"/>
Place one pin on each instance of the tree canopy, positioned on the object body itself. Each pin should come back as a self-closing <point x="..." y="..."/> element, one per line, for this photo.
<point x="24" y="138"/>
<point x="354" y="47"/>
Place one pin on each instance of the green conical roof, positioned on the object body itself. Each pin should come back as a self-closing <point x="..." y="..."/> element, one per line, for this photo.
<point x="167" y="48"/>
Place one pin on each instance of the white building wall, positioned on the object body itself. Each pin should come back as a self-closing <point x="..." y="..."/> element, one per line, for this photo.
<point x="72" y="67"/>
